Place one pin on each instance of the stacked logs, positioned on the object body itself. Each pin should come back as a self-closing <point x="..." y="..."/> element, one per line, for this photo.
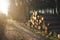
<point x="37" y="22"/>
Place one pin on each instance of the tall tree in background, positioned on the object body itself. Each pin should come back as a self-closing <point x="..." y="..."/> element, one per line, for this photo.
<point x="18" y="10"/>
<point x="2" y="26"/>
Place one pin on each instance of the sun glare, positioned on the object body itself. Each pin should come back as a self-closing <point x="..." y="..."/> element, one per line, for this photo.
<point x="4" y="6"/>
